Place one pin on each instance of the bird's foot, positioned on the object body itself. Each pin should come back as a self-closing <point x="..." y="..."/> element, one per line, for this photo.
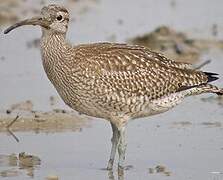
<point x="125" y="168"/>
<point x="120" y="168"/>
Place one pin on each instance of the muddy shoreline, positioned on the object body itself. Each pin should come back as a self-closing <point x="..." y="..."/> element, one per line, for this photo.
<point x="58" y="143"/>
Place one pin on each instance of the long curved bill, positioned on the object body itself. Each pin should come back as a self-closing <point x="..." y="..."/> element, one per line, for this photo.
<point x="33" y="21"/>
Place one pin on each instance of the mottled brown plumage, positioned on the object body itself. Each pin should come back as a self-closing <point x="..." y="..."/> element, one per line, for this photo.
<point x="117" y="82"/>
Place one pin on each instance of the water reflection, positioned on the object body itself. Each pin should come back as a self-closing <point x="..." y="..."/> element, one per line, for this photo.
<point x="12" y="165"/>
<point x="120" y="174"/>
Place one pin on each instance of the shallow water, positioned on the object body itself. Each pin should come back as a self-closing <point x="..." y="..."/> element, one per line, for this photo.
<point x="186" y="140"/>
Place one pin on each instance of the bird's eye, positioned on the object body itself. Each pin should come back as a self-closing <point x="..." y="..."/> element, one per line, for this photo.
<point x="59" y="18"/>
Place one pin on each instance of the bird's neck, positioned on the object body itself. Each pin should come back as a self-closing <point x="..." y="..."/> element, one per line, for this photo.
<point x="53" y="44"/>
<point x="54" y="49"/>
<point x="57" y="59"/>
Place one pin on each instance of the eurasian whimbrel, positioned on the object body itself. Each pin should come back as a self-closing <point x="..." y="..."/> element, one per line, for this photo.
<point x="117" y="82"/>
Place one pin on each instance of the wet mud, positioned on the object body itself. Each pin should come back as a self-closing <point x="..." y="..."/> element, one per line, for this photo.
<point x="14" y="164"/>
<point x="57" y="120"/>
<point x="176" y="45"/>
<point x="49" y="141"/>
<point x="160" y="169"/>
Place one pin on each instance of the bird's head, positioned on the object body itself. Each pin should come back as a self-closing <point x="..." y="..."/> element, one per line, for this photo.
<point x="53" y="18"/>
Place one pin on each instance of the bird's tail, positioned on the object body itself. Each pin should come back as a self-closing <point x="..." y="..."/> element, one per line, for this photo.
<point x="220" y="93"/>
<point x="212" y="88"/>
<point x="211" y="76"/>
<point x="206" y="88"/>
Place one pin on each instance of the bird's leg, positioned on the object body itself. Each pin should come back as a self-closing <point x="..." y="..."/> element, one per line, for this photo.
<point x="114" y="140"/>
<point x="121" y="148"/>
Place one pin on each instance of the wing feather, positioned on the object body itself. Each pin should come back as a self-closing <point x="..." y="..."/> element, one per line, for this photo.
<point x="135" y="71"/>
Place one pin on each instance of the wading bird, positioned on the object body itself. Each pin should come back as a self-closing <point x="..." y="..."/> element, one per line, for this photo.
<point x="117" y="82"/>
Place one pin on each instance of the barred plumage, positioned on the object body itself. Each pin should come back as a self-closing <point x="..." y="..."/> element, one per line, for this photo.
<point x="117" y="82"/>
